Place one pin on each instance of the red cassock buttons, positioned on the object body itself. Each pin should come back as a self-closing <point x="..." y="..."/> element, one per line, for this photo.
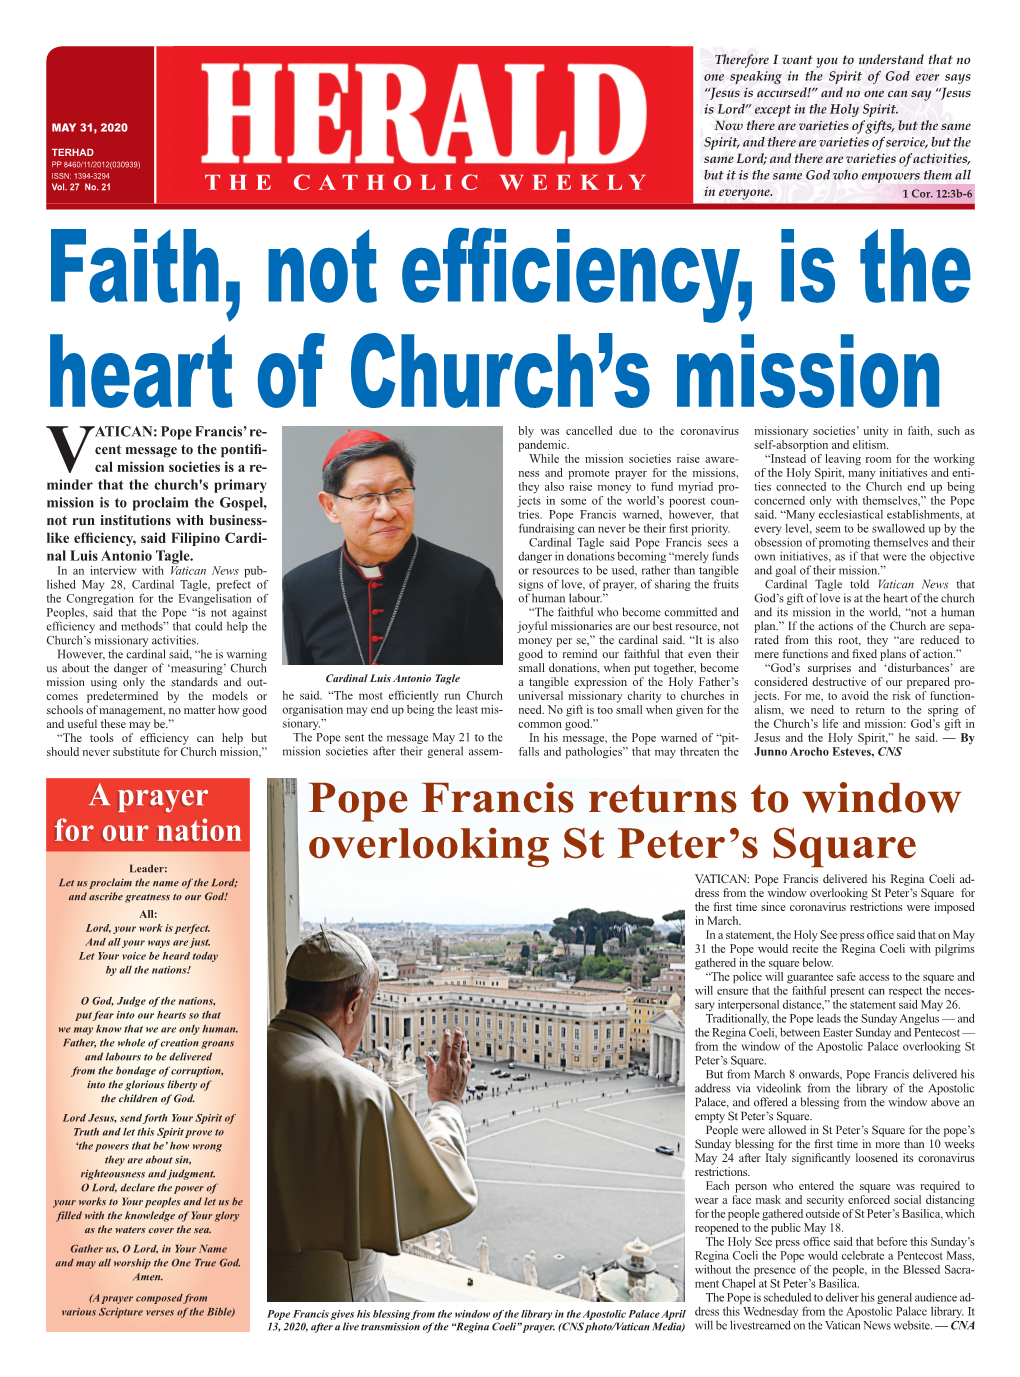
<point x="375" y="585"/>
<point x="376" y="638"/>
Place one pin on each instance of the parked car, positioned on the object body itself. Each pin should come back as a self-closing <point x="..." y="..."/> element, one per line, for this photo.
<point x="520" y="1078"/>
<point x="666" y="1151"/>
<point x="631" y="1073"/>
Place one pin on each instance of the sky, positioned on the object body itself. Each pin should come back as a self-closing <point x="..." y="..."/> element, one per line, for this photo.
<point x="507" y="893"/>
<point x="516" y="899"/>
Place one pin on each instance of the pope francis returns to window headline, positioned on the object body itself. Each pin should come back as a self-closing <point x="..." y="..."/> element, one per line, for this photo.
<point x="351" y="1173"/>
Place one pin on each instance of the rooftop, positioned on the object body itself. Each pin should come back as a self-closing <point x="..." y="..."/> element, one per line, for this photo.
<point x="576" y="994"/>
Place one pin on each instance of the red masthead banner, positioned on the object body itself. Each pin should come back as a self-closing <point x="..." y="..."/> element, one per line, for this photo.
<point x="292" y="126"/>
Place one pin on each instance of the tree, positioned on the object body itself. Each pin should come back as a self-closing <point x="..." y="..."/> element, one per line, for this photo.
<point x="585" y="926"/>
<point x="584" y="921"/>
<point x="679" y="921"/>
<point x="615" y="922"/>
<point x="525" y="952"/>
<point x="581" y="917"/>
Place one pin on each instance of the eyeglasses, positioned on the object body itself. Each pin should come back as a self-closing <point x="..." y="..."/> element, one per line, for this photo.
<point x="366" y="501"/>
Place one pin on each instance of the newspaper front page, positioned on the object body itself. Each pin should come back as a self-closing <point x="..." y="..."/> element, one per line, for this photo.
<point x="510" y="513"/>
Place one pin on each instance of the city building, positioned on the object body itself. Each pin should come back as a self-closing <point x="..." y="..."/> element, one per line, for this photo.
<point x="670" y="980"/>
<point x="666" y="1036"/>
<point x="645" y="1006"/>
<point x="569" y="1030"/>
<point x="535" y="981"/>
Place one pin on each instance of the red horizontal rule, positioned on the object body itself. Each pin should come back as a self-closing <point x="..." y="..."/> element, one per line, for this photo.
<point x="436" y="127"/>
<point x="147" y="814"/>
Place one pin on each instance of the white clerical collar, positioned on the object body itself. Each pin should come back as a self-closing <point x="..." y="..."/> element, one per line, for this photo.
<point x="367" y="571"/>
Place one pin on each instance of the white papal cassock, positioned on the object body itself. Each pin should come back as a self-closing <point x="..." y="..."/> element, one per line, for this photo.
<point x="351" y="1173"/>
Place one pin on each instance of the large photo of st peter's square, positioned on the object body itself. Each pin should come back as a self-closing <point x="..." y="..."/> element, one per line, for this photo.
<point x="476" y="1078"/>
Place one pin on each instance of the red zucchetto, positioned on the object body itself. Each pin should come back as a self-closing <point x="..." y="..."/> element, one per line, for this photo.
<point x="355" y="437"/>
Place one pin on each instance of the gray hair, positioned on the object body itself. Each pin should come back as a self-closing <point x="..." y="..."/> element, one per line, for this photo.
<point x="334" y="475"/>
